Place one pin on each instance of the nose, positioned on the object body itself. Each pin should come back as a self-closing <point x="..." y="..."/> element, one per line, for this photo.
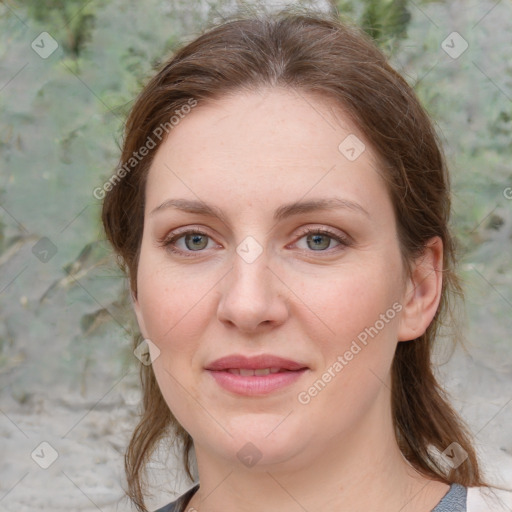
<point x="253" y="296"/>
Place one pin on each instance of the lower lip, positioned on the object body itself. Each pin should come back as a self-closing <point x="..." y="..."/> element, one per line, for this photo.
<point x="255" y="384"/>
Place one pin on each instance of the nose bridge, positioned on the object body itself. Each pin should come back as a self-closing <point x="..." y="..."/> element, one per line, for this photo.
<point x="251" y="295"/>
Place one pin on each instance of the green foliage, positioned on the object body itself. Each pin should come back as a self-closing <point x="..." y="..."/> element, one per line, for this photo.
<point x="73" y="20"/>
<point x="384" y="20"/>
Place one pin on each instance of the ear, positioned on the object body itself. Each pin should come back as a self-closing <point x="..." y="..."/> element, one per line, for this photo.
<point x="138" y="314"/>
<point x="423" y="291"/>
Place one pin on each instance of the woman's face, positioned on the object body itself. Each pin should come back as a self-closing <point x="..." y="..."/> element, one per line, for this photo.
<point x="255" y="283"/>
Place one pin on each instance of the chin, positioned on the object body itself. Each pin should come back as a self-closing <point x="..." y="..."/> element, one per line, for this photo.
<point x="260" y="442"/>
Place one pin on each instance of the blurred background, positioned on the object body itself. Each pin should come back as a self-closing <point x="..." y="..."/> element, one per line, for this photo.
<point x="69" y="72"/>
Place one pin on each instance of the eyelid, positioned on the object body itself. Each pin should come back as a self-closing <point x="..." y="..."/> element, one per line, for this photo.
<point x="327" y="230"/>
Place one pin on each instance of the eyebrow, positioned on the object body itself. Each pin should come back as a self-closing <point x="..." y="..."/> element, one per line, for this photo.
<point x="283" y="212"/>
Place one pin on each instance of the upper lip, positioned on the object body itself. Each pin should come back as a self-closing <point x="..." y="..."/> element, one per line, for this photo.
<point x="254" y="363"/>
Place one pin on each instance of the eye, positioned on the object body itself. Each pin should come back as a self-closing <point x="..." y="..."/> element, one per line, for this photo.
<point x="193" y="241"/>
<point x="318" y="240"/>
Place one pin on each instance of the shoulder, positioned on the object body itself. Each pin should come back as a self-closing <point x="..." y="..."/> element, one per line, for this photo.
<point x="489" y="499"/>
<point x="180" y="504"/>
<point x="475" y="499"/>
<point x="455" y="500"/>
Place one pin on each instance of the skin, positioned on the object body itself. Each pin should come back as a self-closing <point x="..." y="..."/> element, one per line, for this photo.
<point x="249" y="154"/>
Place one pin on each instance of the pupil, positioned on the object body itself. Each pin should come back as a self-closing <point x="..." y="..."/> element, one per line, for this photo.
<point x="318" y="243"/>
<point x="195" y="239"/>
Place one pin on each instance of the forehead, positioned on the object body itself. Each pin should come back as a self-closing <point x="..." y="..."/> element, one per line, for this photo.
<point x="262" y="144"/>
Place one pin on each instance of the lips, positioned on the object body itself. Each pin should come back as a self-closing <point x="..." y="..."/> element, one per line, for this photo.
<point x="256" y="363"/>
<point x="258" y="375"/>
<point x="247" y="372"/>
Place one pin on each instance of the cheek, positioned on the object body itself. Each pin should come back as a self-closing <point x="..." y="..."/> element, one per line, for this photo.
<point x="174" y="306"/>
<point x="353" y="377"/>
<point x="362" y="308"/>
<point x="348" y="301"/>
<point x="173" y="302"/>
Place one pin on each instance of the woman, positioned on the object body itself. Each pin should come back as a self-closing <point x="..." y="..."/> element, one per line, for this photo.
<point x="282" y="209"/>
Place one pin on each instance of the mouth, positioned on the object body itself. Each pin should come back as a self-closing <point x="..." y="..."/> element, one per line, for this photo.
<point x="247" y="372"/>
<point x="264" y="362"/>
<point x="257" y="375"/>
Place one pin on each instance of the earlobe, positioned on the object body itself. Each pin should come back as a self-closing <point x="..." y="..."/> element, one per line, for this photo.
<point x="423" y="294"/>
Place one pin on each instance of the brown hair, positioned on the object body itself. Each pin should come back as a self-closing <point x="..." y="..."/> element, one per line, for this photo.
<point x="320" y="55"/>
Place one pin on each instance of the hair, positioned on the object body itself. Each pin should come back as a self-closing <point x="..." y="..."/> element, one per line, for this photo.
<point x="320" y="55"/>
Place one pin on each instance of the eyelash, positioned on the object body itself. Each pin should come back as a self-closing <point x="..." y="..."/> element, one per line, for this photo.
<point x="169" y="240"/>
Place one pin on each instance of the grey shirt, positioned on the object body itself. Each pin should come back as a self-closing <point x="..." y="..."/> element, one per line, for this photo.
<point x="453" y="501"/>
